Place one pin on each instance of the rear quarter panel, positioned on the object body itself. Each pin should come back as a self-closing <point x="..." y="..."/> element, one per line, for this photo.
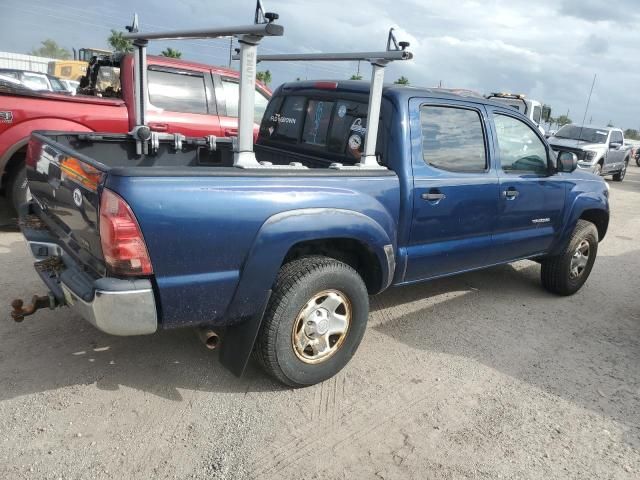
<point x="200" y="231"/>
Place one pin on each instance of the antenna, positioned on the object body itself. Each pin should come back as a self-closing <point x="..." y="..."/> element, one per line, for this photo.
<point x="587" y="109"/>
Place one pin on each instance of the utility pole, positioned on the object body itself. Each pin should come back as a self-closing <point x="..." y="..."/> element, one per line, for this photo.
<point x="230" y="49"/>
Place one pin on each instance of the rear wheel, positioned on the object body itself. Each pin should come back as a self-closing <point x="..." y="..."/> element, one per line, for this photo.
<point x="315" y="321"/>
<point x="566" y="273"/>
<point x="17" y="191"/>
<point x="618" y="177"/>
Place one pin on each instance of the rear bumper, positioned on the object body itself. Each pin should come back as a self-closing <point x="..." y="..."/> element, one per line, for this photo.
<point x="113" y="305"/>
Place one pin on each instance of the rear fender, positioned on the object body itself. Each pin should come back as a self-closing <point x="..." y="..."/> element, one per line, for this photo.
<point x="272" y="243"/>
<point x="17" y="136"/>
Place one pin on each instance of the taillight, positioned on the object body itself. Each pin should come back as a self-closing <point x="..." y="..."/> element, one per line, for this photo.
<point x="123" y="246"/>
<point x="326" y="85"/>
<point x="34" y="150"/>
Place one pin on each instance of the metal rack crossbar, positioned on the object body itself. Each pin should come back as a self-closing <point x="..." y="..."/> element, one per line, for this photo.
<point x="379" y="60"/>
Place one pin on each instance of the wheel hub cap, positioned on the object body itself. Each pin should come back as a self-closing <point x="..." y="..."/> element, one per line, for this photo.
<point x="580" y="259"/>
<point x="321" y="326"/>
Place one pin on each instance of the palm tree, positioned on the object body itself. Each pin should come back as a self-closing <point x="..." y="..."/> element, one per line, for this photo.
<point x="119" y="43"/>
<point x="264" y="77"/>
<point x="356" y="77"/>
<point x="402" y="81"/>
<point x="171" y="53"/>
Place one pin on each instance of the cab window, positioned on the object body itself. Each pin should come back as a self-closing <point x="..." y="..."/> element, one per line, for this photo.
<point x="231" y="92"/>
<point x="453" y="139"/>
<point x="521" y="150"/>
<point x="177" y="91"/>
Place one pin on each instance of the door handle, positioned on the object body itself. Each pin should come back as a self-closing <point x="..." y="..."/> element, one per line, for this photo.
<point x="511" y="193"/>
<point x="230" y="132"/>
<point x="433" y="196"/>
<point x="159" y="127"/>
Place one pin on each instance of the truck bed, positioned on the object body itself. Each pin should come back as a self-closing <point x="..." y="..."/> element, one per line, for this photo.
<point x="197" y="240"/>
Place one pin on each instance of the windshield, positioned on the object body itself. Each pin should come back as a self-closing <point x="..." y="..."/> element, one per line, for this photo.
<point x="37" y="82"/>
<point x="585" y="134"/>
<point x="56" y="85"/>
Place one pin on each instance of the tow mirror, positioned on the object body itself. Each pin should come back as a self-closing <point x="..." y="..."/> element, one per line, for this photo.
<point x="567" y="162"/>
<point x="615" y="145"/>
<point x="546" y="113"/>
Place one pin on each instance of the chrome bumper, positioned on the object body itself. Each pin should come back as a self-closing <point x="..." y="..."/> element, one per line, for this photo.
<point x="117" y="307"/>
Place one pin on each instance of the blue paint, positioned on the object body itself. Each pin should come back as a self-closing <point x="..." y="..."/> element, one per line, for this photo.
<point x="217" y="242"/>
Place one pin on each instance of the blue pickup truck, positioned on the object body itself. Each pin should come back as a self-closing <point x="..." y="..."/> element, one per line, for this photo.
<point x="281" y="261"/>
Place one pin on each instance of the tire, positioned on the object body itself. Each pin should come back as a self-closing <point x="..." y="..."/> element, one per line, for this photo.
<point x="618" y="177"/>
<point x="638" y="161"/>
<point x="300" y="292"/>
<point x="17" y="191"/>
<point x="559" y="273"/>
<point x="597" y="169"/>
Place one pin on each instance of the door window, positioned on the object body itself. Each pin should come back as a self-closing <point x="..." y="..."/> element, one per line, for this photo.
<point x="231" y="92"/>
<point x="453" y="139"/>
<point x="521" y="150"/>
<point x="616" y="137"/>
<point x="177" y="92"/>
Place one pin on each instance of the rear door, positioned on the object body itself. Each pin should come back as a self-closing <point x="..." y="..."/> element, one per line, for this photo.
<point x="228" y="96"/>
<point x="531" y="195"/>
<point x="182" y="101"/>
<point x="455" y="191"/>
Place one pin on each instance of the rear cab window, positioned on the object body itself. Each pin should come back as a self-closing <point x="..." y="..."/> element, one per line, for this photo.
<point x="333" y="128"/>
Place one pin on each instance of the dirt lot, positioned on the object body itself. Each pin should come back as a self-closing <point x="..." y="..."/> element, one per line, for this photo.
<point x="480" y="376"/>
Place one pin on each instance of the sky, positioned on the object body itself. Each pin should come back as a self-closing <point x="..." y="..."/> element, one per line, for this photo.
<point x="549" y="50"/>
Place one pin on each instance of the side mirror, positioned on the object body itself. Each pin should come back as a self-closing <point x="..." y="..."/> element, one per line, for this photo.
<point x="546" y="113"/>
<point x="615" y="145"/>
<point x="567" y="162"/>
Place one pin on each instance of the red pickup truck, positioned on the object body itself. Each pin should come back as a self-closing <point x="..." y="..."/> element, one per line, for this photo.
<point x="184" y="97"/>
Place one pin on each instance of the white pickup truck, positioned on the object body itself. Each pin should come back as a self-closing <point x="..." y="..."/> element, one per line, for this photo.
<point x="532" y="109"/>
<point x="601" y="150"/>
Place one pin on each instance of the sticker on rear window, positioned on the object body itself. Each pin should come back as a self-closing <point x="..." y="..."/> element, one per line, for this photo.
<point x="357" y="127"/>
<point x="6" y="117"/>
<point x="342" y="111"/>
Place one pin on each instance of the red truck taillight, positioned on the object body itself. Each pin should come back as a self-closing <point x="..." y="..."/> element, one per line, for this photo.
<point x="123" y="245"/>
<point x="34" y="150"/>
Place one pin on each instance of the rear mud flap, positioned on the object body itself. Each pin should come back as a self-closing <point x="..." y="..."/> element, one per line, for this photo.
<point x="239" y="340"/>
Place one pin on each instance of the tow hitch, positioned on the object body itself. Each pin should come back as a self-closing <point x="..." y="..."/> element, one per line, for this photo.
<point x="37" y="302"/>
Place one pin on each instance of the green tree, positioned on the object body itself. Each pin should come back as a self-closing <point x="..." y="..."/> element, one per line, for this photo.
<point x="563" y="120"/>
<point x="264" y="77"/>
<point x="119" y="43"/>
<point x="631" y="134"/>
<point x="610" y="125"/>
<point x="49" y="48"/>
<point x="402" y="81"/>
<point x="356" y="77"/>
<point x="171" y="53"/>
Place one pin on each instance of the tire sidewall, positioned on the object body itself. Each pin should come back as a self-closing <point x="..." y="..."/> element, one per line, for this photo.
<point x="574" y="284"/>
<point x="18" y="188"/>
<point x="328" y="277"/>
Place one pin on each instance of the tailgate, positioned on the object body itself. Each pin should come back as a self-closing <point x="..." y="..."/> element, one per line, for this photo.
<point x="64" y="186"/>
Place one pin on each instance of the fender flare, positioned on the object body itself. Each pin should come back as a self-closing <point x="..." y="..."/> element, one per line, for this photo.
<point x="271" y="244"/>
<point x="581" y="203"/>
<point x="18" y="135"/>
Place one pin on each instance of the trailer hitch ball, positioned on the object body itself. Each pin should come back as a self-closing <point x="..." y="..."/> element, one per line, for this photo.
<point x="37" y="302"/>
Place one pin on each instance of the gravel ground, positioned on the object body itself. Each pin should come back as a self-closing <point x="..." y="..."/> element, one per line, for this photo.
<point x="484" y="375"/>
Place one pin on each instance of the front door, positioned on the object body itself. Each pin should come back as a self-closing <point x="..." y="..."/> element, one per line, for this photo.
<point x="455" y="191"/>
<point x="531" y="195"/>
<point x="616" y="153"/>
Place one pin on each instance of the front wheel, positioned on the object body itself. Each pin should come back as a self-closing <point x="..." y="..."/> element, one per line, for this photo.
<point x="618" y="177"/>
<point x="566" y="273"/>
<point x="314" y="323"/>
